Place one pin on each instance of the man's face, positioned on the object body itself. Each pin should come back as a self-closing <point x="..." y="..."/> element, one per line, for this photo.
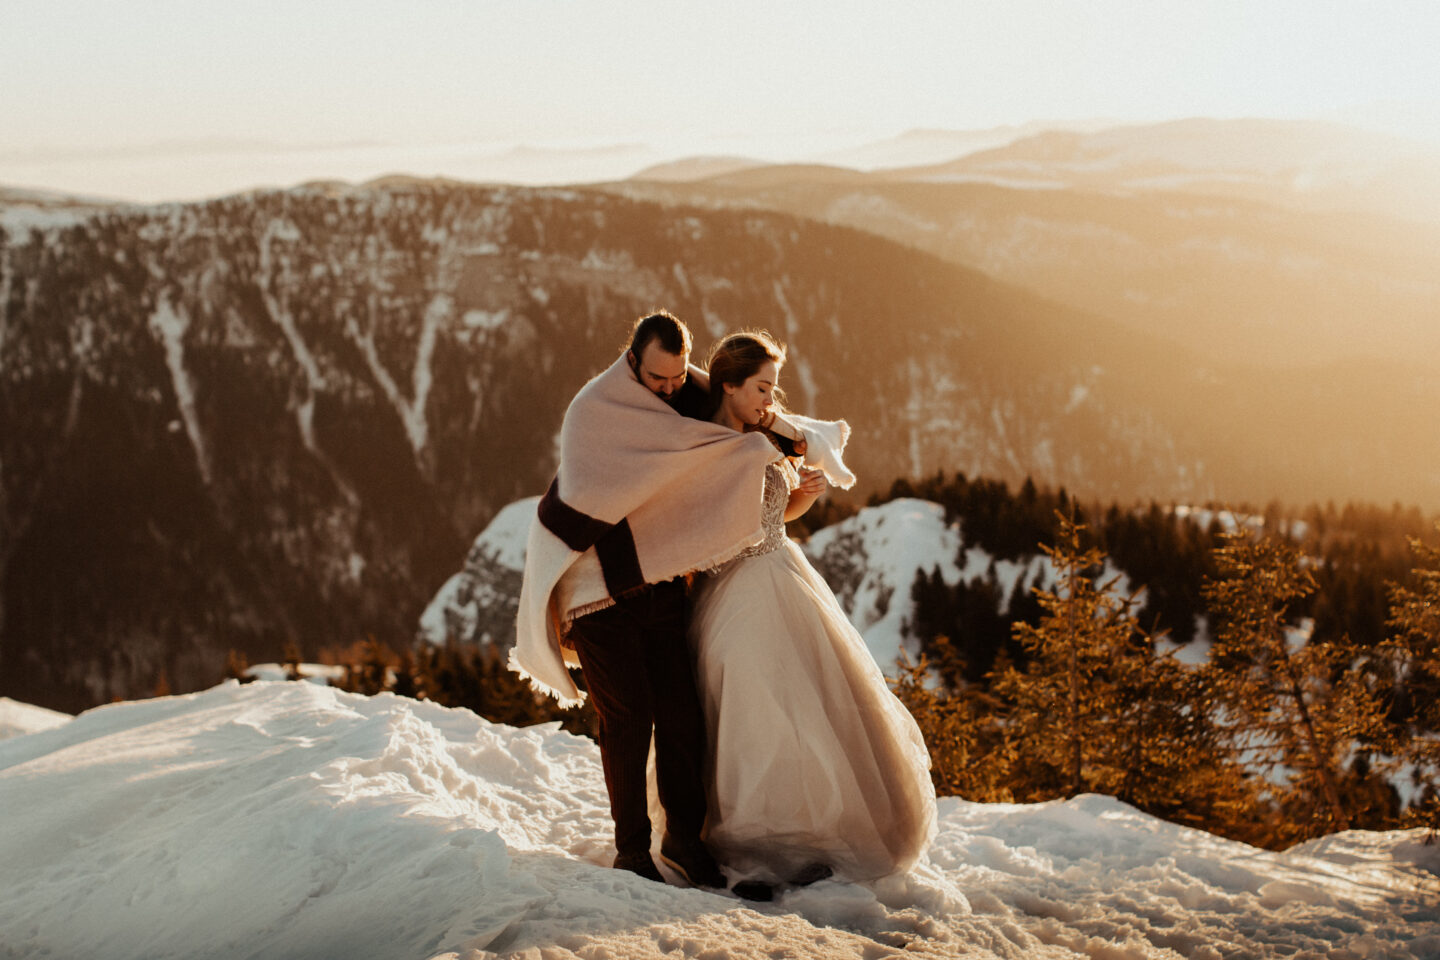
<point x="662" y="373"/>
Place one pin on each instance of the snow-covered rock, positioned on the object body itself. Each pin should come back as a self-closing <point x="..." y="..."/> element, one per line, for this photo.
<point x="294" y="820"/>
<point x="478" y="604"/>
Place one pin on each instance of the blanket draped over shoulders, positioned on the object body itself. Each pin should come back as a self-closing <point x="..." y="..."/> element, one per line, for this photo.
<point x="651" y="494"/>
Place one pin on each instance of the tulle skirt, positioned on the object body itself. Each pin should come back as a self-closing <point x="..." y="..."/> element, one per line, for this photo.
<point x="814" y="760"/>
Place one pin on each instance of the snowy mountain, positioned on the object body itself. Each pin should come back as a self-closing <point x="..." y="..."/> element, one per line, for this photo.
<point x="870" y="560"/>
<point x="1307" y="164"/>
<point x="293" y="820"/>
<point x="919" y="147"/>
<point x="696" y="168"/>
<point x="478" y="604"/>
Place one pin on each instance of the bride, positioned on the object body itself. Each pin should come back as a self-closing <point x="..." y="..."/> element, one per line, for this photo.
<point x="816" y="767"/>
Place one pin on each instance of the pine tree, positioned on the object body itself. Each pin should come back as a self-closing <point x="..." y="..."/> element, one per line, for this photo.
<point x="1284" y="699"/>
<point x="970" y="756"/>
<point x="1097" y="708"/>
<point x="369" y="668"/>
<point x="406" y="675"/>
<point x="290" y="660"/>
<point x="1414" y="650"/>
<point x="1084" y="653"/>
<point x="237" y="666"/>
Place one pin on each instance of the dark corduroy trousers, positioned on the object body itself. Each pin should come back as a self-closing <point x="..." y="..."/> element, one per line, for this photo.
<point x="639" y="674"/>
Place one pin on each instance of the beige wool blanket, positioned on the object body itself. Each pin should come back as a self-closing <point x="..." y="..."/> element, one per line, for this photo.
<point x="654" y="494"/>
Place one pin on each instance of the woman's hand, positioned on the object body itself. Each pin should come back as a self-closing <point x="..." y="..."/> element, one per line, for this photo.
<point x="812" y="481"/>
<point x="812" y="484"/>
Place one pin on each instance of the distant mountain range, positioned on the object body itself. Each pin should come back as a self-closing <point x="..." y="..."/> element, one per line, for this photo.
<point x="1281" y="244"/>
<point x="1310" y="165"/>
<point x="283" y="416"/>
<point x="916" y="147"/>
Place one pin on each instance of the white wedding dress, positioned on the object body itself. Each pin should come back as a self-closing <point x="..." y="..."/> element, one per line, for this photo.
<point x="813" y="759"/>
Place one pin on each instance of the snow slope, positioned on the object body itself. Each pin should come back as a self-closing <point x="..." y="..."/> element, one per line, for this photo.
<point x="293" y="820"/>
<point x="870" y="560"/>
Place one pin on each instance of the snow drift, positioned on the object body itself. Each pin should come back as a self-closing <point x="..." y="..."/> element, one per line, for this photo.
<point x="17" y="719"/>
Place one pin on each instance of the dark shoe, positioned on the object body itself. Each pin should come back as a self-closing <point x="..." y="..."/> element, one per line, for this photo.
<point x="693" y="862"/>
<point x="639" y="864"/>
<point x="813" y="873"/>
<point x="755" y="890"/>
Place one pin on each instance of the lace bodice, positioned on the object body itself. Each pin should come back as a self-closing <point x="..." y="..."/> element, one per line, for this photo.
<point x="780" y="479"/>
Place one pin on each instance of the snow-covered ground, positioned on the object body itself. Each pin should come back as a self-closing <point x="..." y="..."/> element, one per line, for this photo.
<point x="293" y="820"/>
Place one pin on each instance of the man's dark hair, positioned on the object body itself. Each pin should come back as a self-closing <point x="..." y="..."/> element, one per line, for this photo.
<point x="664" y="326"/>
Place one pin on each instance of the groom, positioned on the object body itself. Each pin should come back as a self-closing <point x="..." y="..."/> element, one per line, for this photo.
<point x="644" y="496"/>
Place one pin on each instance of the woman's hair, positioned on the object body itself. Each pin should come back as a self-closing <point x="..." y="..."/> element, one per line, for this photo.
<point x="736" y="358"/>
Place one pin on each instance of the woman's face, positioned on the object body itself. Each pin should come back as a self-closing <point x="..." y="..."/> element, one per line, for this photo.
<point x="749" y="401"/>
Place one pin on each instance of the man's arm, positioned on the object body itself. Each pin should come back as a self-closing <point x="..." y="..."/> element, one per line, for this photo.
<point x="691" y="399"/>
<point x="791" y="437"/>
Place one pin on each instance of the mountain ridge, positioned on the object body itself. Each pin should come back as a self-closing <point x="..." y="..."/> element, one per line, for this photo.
<point x="1235" y="271"/>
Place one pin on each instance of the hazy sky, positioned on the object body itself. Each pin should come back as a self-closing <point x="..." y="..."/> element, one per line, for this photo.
<point x="156" y="98"/>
